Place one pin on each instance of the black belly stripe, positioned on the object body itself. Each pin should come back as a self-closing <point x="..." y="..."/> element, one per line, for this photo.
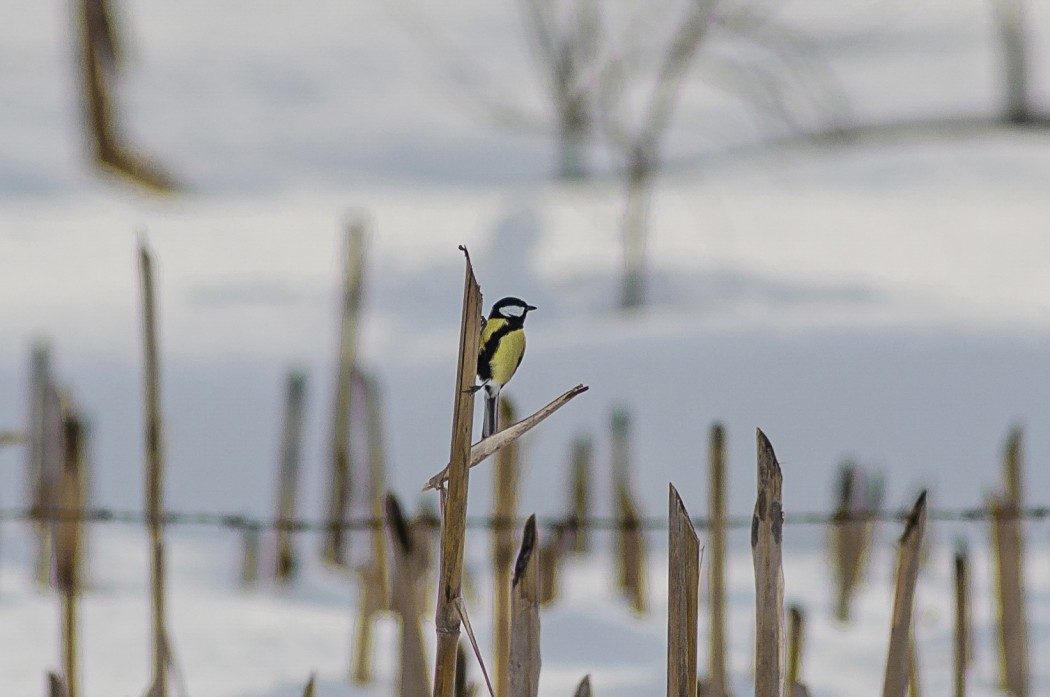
<point x="488" y="351"/>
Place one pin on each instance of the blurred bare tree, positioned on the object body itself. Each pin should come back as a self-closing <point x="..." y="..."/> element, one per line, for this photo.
<point x="565" y="37"/>
<point x="620" y="70"/>
<point x="625" y="81"/>
<point x="769" y="68"/>
<point x="640" y="144"/>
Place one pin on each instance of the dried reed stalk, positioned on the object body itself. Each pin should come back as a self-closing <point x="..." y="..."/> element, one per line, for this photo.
<point x="847" y="539"/>
<point x="631" y="550"/>
<point x="550" y="563"/>
<point x="376" y="476"/>
<point x="413" y="680"/>
<point x="584" y="688"/>
<point x="52" y="461"/>
<point x="36" y="475"/>
<point x="425" y="530"/>
<point x="68" y="534"/>
<point x="373" y="601"/>
<point x="505" y="506"/>
<point x="767" y="530"/>
<point x="581" y="505"/>
<point x="447" y="617"/>
<point x="154" y="472"/>
<point x="715" y="685"/>
<point x="1013" y="466"/>
<point x="464" y="687"/>
<point x="962" y="619"/>
<point x="524" y="663"/>
<point x="309" y="690"/>
<point x="372" y="576"/>
<point x="1008" y="538"/>
<point x="683" y="586"/>
<point x="897" y="659"/>
<point x="55" y="686"/>
<point x="630" y="541"/>
<point x="796" y="637"/>
<point x="285" y="562"/>
<point x="1013" y="628"/>
<point x="249" y="555"/>
<point x="340" y="484"/>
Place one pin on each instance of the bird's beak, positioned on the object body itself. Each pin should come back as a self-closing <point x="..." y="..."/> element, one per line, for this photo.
<point x="530" y="308"/>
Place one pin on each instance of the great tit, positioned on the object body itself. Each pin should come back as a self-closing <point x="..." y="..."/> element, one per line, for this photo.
<point x="499" y="353"/>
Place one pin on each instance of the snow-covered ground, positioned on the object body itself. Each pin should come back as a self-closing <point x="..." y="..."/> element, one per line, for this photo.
<point x="887" y="301"/>
<point x="264" y="642"/>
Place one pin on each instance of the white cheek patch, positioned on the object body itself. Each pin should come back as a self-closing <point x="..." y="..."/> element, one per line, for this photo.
<point x="512" y="311"/>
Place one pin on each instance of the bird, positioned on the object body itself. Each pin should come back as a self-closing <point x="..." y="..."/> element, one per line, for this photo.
<point x="500" y="352"/>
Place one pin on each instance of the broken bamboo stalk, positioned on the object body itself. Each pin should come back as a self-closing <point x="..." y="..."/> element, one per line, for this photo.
<point x="413" y="680"/>
<point x="285" y="558"/>
<point x="481" y="450"/>
<point x="962" y="619"/>
<point x="1012" y="627"/>
<point x="620" y="445"/>
<point x="524" y="658"/>
<point x="767" y="530"/>
<point x="847" y="538"/>
<point x="631" y="550"/>
<point x="36" y="476"/>
<point x="52" y="462"/>
<point x="372" y="601"/>
<point x="374" y="435"/>
<point x="630" y="542"/>
<point x="716" y="684"/>
<point x="425" y="530"/>
<point x="581" y="506"/>
<point x="551" y="553"/>
<point x="1009" y="556"/>
<point x="796" y="641"/>
<point x="340" y="484"/>
<point x="68" y="530"/>
<point x="454" y="512"/>
<point x="249" y="555"/>
<point x="898" y="662"/>
<point x="1013" y="467"/>
<point x="372" y="574"/>
<point x="55" y="686"/>
<point x="683" y="587"/>
<point x="154" y="471"/>
<point x="464" y="686"/>
<point x="505" y="506"/>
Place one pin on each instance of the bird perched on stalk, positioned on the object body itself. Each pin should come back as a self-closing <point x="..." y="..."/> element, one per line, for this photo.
<point x="499" y="353"/>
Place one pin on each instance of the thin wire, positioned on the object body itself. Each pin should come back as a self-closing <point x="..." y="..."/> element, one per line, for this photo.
<point x="245" y="522"/>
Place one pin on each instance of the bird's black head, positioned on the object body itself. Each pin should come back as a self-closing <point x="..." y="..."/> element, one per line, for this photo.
<point x="512" y="309"/>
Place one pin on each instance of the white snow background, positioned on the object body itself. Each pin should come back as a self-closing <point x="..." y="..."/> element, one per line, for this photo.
<point x="887" y="301"/>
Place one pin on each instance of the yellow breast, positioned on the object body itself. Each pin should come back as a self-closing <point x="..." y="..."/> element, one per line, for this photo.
<point x="508" y="356"/>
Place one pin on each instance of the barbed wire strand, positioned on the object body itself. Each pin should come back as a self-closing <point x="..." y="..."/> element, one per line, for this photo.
<point x="242" y="522"/>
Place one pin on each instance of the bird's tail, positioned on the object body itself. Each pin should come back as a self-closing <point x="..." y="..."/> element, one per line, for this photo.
<point x="491" y="422"/>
